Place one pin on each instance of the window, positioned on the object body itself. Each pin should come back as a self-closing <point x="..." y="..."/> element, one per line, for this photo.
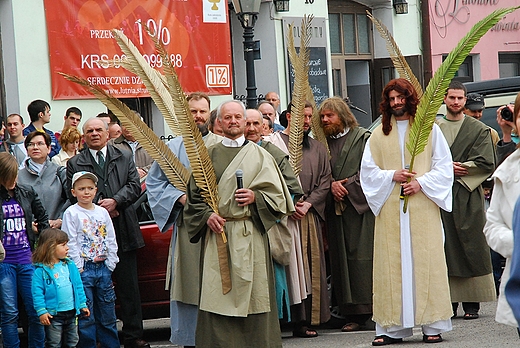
<point x="350" y="34"/>
<point x="509" y="64"/>
<point x="387" y="74"/>
<point x="465" y="72"/>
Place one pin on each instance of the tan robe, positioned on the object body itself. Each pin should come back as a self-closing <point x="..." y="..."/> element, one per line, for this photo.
<point x="432" y="296"/>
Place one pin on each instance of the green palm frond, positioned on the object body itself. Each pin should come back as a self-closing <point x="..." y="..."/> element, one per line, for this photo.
<point x="397" y="57"/>
<point x="172" y="167"/>
<point x="152" y="79"/>
<point x="434" y="93"/>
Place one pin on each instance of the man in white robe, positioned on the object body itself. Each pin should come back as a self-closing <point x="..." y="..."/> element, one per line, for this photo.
<point x="410" y="277"/>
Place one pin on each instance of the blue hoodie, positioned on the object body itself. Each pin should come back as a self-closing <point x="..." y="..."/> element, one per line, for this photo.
<point x="45" y="289"/>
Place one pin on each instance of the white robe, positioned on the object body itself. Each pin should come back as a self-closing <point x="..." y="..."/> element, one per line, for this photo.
<point x="377" y="185"/>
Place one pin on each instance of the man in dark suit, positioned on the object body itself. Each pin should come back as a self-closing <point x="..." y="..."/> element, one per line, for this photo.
<point x="118" y="188"/>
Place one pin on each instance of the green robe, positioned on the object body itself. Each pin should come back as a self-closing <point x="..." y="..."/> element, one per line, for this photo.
<point x="350" y="234"/>
<point x="246" y="316"/>
<point x="467" y="252"/>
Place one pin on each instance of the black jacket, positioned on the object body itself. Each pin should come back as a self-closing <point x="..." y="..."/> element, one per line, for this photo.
<point x="32" y="207"/>
<point x="122" y="184"/>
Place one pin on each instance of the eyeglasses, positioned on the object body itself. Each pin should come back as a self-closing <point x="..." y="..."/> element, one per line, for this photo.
<point x="39" y="144"/>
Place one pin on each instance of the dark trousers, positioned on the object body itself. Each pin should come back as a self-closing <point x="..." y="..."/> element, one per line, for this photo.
<point x="127" y="291"/>
<point x="468" y="307"/>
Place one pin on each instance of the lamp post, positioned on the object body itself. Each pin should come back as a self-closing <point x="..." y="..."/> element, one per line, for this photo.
<point x="247" y="13"/>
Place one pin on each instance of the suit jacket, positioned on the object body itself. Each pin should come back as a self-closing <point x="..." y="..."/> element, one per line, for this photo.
<point x="119" y="181"/>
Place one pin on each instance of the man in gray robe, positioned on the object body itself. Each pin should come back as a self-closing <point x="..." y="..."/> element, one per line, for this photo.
<point x="350" y="223"/>
<point x="315" y="178"/>
<point x="244" y="316"/>
<point x="467" y="252"/>
<point x="280" y="238"/>
<point x="167" y="203"/>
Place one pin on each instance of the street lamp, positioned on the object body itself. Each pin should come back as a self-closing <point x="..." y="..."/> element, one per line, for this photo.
<point x="247" y="13"/>
<point x="400" y="6"/>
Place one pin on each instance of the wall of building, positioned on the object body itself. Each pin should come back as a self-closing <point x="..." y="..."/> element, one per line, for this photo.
<point x="271" y="70"/>
<point x="26" y="62"/>
<point x="451" y="20"/>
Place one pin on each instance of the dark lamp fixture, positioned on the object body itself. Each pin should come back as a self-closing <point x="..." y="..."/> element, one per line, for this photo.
<point x="400" y="6"/>
<point x="246" y="6"/>
<point x="281" y="5"/>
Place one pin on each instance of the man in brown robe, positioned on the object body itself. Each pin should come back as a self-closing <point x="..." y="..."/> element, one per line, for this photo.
<point x="350" y="223"/>
<point x="313" y="306"/>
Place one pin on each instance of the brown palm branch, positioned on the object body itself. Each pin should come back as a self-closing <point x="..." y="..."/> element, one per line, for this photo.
<point x="172" y="167"/>
<point x="397" y="57"/>
<point x="152" y="79"/>
<point x="201" y="166"/>
<point x="300" y="63"/>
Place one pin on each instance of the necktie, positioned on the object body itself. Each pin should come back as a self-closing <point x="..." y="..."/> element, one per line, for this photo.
<point x="101" y="159"/>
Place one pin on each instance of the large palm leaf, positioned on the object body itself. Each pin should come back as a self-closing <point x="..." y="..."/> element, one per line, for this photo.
<point x="397" y="57"/>
<point x="152" y="79"/>
<point x="172" y="167"/>
<point x="200" y="163"/>
<point x="300" y="63"/>
<point x="434" y="93"/>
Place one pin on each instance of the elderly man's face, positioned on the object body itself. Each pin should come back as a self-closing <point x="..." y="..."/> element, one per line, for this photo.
<point x="232" y="120"/>
<point x="95" y="134"/>
<point x="254" y="126"/>
<point x="274" y="99"/>
<point x="267" y="110"/>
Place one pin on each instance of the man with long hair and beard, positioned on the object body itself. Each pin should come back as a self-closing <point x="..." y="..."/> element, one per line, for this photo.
<point x="410" y="282"/>
<point x="306" y="272"/>
<point x="467" y="252"/>
<point x="350" y="223"/>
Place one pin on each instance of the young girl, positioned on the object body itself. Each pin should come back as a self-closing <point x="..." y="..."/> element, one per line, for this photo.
<point x="57" y="290"/>
<point x="21" y="217"/>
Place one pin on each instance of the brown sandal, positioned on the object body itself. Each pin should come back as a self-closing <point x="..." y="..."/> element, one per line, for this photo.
<point x="351" y="327"/>
<point x="304" y="332"/>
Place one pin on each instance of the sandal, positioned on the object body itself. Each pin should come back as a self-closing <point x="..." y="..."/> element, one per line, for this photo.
<point x="432" y="338"/>
<point x="351" y="327"/>
<point x="386" y="340"/>
<point x="304" y="332"/>
<point x="470" y="316"/>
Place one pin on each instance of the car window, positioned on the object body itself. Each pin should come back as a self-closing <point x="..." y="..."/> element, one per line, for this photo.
<point x="143" y="211"/>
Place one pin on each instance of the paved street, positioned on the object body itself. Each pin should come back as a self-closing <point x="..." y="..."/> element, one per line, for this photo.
<point x="481" y="333"/>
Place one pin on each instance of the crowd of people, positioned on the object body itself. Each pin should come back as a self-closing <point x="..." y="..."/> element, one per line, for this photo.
<point x="302" y="242"/>
<point x="68" y="223"/>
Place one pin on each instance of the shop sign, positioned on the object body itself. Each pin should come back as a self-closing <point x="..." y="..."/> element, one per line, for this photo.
<point x="194" y="33"/>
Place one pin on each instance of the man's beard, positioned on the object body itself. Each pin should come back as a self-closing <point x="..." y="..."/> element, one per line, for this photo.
<point x="398" y="112"/>
<point x="333" y="129"/>
<point x="203" y="128"/>
<point x="454" y="111"/>
<point x="306" y="142"/>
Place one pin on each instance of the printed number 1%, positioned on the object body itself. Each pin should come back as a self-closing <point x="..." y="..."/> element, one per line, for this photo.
<point x="217" y="75"/>
<point x="156" y="30"/>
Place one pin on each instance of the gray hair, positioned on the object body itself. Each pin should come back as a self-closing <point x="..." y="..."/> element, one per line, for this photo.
<point x="219" y="108"/>
<point x="94" y="118"/>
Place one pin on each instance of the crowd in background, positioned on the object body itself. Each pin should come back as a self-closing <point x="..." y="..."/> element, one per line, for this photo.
<point x="339" y="222"/>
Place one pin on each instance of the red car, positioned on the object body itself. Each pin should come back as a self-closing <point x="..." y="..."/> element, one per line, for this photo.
<point x="151" y="263"/>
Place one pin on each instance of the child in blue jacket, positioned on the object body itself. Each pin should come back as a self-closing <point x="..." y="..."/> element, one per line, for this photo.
<point x="57" y="290"/>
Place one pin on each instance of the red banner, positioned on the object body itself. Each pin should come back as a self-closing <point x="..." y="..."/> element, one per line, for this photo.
<point x="195" y="33"/>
